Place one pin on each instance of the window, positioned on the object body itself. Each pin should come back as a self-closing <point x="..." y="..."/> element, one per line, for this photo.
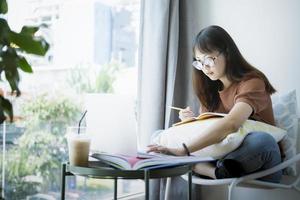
<point x="93" y="49"/>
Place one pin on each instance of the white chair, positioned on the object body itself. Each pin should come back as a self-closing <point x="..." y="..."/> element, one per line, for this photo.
<point x="287" y="182"/>
<point x="250" y="180"/>
<point x="284" y="106"/>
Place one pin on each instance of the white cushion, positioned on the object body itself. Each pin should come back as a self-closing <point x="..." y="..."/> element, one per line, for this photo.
<point x="186" y="133"/>
<point x="286" y="117"/>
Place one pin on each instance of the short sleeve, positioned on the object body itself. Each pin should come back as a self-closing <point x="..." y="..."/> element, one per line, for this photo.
<point x="253" y="92"/>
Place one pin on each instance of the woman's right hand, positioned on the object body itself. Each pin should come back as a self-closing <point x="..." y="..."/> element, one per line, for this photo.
<point x="186" y="113"/>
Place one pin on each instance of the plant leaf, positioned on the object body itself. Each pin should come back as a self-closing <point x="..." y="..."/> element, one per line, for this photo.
<point x="29" y="44"/>
<point x="4" y="31"/>
<point x="3" y="7"/>
<point x="2" y="116"/>
<point x="29" y="30"/>
<point x="24" y="65"/>
<point x="10" y="62"/>
<point x="5" y="107"/>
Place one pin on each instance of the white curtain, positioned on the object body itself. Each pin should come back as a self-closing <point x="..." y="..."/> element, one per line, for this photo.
<point x="165" y="57"/>
<point x="158" y="54"/>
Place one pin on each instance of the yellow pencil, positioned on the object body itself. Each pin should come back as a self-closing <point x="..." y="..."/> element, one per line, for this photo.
<point x="176" y="108"/>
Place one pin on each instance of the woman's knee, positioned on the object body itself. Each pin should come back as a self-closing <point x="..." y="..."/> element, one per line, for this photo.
<point x="259" y="151"/>
<point x="260" y="140"/>
<point x="260" y="136"/>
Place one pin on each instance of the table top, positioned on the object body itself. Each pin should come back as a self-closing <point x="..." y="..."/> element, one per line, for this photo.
<point x="97" y="169"/>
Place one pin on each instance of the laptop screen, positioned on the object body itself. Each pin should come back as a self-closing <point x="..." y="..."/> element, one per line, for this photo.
<point x="111" y="123"/>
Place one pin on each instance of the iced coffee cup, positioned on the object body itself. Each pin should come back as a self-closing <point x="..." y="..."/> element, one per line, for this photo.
<point x="78" y="145"/>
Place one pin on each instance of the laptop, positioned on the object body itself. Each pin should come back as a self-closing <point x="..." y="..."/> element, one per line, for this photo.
<point x="111" y="123"/>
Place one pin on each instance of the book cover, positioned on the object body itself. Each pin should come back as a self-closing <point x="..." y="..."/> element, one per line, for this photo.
<point x="203" y="116"/>
<point x="127" y="162"/>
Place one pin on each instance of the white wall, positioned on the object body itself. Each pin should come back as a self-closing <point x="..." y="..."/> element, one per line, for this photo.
<point x="268" y="34"/>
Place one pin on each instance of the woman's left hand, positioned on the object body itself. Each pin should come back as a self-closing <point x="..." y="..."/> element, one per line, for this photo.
<point x="165" y="150"/>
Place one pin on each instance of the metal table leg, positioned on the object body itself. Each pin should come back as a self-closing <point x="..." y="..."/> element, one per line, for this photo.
<point x="146" y="177"/>
<point x="190" y="184"/>
<point x="63" y="181"/>
<point x="115" y="188"/>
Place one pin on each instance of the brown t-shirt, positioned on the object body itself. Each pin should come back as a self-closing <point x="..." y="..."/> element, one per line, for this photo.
<point x="252" y="92"/>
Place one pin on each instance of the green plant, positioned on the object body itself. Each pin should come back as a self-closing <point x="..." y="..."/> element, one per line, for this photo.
<point x="34" y="164"/>
<point x="52" y="113"/>
<point x="106" y="77"/>
<point x="91" y="80"/>
<point x="13" y="47"/>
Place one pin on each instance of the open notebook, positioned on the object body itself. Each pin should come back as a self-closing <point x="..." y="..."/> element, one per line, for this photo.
<point x="111" y="123"/>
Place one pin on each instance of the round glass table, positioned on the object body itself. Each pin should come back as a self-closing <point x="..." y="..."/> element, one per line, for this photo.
<point x="99" y="170"/>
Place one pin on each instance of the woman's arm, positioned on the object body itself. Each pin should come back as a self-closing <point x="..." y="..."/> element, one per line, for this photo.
<point x="219" y="130"/>
<point x="214" y="134"/>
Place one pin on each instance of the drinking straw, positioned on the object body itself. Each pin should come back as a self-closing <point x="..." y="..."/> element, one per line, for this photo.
<point x="80" y="121"/>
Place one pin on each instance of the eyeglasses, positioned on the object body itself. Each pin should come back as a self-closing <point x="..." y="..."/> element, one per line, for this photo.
<point x="208" y="61"/>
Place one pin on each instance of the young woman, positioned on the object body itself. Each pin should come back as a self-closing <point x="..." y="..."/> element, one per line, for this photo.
<point x="226" y="83"/>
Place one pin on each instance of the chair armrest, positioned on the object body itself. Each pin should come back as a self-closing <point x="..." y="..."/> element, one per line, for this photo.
<point x="272" y="170"/>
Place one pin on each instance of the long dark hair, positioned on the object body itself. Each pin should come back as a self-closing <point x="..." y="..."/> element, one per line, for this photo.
<point x="215" y="38"/>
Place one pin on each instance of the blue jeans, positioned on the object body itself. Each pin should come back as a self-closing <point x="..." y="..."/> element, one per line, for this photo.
<point x="259" y="151"/>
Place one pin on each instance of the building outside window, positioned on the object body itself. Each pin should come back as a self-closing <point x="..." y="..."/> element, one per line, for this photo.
<point x="93" y="49"/>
